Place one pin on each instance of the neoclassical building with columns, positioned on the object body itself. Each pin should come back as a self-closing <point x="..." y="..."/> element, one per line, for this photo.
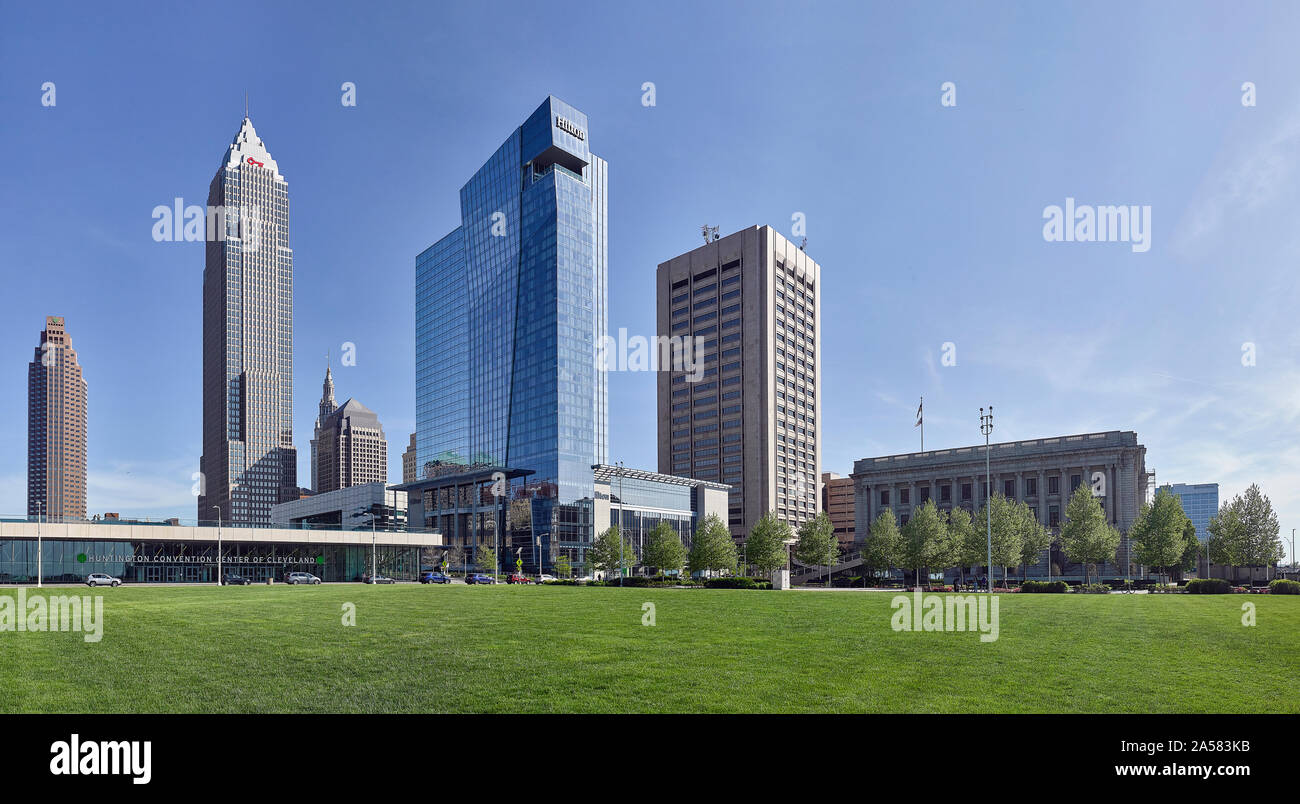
<point x="1040" y="472"/>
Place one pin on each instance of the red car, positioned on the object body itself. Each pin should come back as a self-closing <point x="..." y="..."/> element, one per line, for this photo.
<point x="519" y="579"/>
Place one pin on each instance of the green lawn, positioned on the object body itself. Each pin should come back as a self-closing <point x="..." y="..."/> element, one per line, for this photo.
<point x="566" y="649"/>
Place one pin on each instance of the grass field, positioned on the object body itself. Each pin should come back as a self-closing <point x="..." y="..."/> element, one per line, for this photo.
<point x="566" y="649"/>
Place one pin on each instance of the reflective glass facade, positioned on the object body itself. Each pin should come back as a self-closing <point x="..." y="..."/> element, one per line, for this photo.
<point x="70" y="561"/>
<point x="1200" y="502"/>
<point x="509" y="308"/>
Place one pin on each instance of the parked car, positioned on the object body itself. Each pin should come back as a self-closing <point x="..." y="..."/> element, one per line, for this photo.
<point x="477" y="578"/>
<point x="377" y="579"/>
<point x="234" y="579"/>
<point x="100" y="579"/>
<point x="434" y="577"/>
<point x="519" y="579"/>
<point x="546" y="578"/>
<point x="301" y="577"/>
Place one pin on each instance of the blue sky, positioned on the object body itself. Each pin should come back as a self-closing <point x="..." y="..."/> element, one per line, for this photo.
<point x="927" y="219"/>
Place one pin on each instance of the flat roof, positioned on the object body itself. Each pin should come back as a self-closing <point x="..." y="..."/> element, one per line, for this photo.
<point x="604" y="473"/>
<point x="100" y="531"/>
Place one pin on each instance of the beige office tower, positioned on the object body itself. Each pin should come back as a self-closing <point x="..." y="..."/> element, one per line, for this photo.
<point x="56" y="428"/>
<point x="749" y="413"/>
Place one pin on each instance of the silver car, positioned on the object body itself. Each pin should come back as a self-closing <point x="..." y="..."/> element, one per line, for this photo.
<point x="100" y="579"/>
<point x="301" y="577"/>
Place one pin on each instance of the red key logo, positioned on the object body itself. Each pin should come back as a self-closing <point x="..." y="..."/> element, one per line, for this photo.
<point x="253" y="161"/>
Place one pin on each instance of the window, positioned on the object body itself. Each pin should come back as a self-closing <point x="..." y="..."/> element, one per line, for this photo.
<point x="1031" y="487"/>
<point x="884" y="497"/>
<point x="923" y="495"/>
<point x="1009" y="489"/>
<point x="1053" y="485"/>
<point x="905" y="496"/>
<point x="965" y="492"/>
<point x="1075" y="480"/>
<point x="945" y="493"/>
<point x="1054" y="516"/>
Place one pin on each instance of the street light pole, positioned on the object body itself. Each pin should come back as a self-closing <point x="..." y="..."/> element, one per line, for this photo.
<point x="986" y="427"/>
<point x="217" y="508"/>
<point x="40" y="566"/>
<point x="621" y="560"/>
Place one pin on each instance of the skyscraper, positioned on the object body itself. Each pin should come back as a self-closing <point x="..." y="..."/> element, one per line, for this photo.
<point x="509" y="308"/>
<point x="327" y="406"/>
<point x="249" y="462"/>
<point x="56" y="428"/>
<point x="752" y="417"/>
<point x="1200" y="503"/>
<point x="348" y="447"/>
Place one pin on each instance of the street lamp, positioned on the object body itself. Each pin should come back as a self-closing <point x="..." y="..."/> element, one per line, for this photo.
<point x="986" y="427"/>
<point x="621" y="561"/>
<point x="40" y="567"/>
<point x="217" y="508"/>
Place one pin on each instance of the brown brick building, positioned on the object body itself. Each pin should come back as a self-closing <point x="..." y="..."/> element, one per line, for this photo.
<point x="56" y="428"/>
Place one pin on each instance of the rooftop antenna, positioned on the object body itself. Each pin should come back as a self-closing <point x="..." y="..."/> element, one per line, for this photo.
<point x="710" y="233"/>
<point x="804" y="245"/>
<point x="245" y="104"/>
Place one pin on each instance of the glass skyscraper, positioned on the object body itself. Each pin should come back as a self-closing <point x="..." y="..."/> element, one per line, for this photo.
<point x="1200" y="502"/>
<point x="509" y="308"/>
<point x="249" y="462"/>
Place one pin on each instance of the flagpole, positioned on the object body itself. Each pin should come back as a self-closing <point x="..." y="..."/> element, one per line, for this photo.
<point x="920" y="414"/>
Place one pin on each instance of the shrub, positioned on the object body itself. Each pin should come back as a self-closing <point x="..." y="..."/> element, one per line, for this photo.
<point x="1045" y="587"/>
<point x="1208" y="586"/>
<point x="737" y="582"/>
<point x="1093" y="589"/>
<point x="1283" y="586"/>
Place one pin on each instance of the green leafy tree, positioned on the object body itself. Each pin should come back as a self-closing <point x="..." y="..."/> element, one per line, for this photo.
<point x="882" y="549"/>
<point x="664" y="549"/>
<point x="1157" y="533"/>
<point x="925" y="539"/>
<point x="1007" y="526"/>
<point x="765" y="547"/>
<point x="1034" y="537"/>
<point x="1191" y="548"/>
<point x="817" y="544"/>
<point x="606" y="553"/>
<point x="1245" y="532"/>
<point x="967" y="541"/>
<point x="1086" y="537"/>
<point x="712" y="549"/>
<point x="563" y="566"/>
<point x="486" y="558"/>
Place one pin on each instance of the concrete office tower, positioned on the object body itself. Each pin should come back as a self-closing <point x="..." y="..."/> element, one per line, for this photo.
<point x="327" y="406"/>
<point x="349" y="448"/>
<point x="752" y="418"/>
<point x="509" y="309"/>
<point x="56" y="428"/>
<point x="408" y="462"/>
<point x="249" y="462"/>
<point x="837" y="502"/>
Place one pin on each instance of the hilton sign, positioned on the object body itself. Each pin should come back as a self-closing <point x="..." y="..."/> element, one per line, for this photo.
<point x="569" y="128"/>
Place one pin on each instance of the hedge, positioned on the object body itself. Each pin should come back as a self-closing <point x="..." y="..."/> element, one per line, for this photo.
<point x="1208" y="586"/>
<point x="1283" y="586"/>
<point x="1045" y="587"/>
<point x="737" y="582"/>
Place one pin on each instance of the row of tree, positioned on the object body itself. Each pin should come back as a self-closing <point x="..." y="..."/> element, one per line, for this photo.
<point x="714" y="550"/>
<point x="1245" y="532"/>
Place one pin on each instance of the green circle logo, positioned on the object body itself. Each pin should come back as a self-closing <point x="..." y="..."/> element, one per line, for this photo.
<point x="81" y="558"/>
<point x="320" y="559"/>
